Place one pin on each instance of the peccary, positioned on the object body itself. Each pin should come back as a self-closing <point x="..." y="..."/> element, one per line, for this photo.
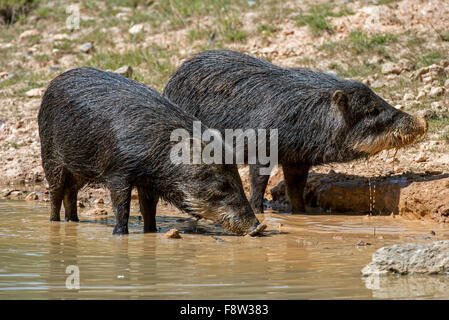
<point x="100" y="127"/>
<point x="320" y="118"/>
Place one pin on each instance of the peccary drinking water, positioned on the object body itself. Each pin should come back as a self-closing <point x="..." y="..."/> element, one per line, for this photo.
<point x="100" y="127"/>
<point x="320" y="118"/>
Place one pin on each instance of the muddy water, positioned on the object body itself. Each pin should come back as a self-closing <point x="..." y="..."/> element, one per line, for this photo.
<point x="300" y="257"/>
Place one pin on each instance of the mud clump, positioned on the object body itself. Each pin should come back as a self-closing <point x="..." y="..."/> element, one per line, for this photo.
<point x="412" y="196"/>
<point x="172" y="234"/>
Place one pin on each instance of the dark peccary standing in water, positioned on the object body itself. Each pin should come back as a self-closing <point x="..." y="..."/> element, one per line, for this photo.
<point x="320" y="118"/>
<point x="100" y="127"/>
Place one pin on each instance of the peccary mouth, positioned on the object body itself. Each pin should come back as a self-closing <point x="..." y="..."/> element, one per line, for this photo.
<point x="223" y="215"/>
<point x="396" y="138"/>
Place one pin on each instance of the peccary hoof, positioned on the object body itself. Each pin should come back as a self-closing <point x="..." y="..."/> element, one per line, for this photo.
<point x="257" y="230"/>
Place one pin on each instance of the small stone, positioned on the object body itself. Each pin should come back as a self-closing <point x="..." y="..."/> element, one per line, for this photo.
<point x="432" y="233"/>
<point x="95" y="212"/>
<point x="85" y="47"/>
<point x="408" y="97"/>
<point x="29" y="33"/>
<point x="436" y="91"/>
<point x="421" y="159"/>
<point x="172" y="234"/>
<point x="390" y="67"/>
<point x="399" y="107"/>
<point x="406" y="65"/>
<point x="60" y="37"/>
<point x="126" y="71"/>
<point x="32" y="196"/>
<point x="135" y="29"/>
<point x="421" y="95"/>
<point x="36" y="92"/>
<point x="99" y="201"/>
<point x="362" y="243"/>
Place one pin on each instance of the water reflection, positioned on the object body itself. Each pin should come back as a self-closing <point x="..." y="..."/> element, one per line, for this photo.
<point x="302" y="257"/>
<point x="407" y="287"/>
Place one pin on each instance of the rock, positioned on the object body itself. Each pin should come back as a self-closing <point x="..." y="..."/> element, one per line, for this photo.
<point x="32" y="196"/>
<point x="172" y="234"/>
<point x="406" y="65"/>
<point x="408" y="97"/>
<point x="60" y="37"/>
<point x="421" y="95"/>
<point x="417" y="258"/>
<point x="362" y="243"/>
<point x="421" y="159"/>
<point x="126" y="71"/>
<point x="428" y="74"/>
<point x="427" y="114"/>
<point x="390" y="67"/>
<point x="399" y="107"/>
<point x="29" y="33"/>
<point x="135" y="29"/>
<point x="85" y="47"/>
<point x="436" y="91"/>
<point x="99" y="201"/>
<point x="95" y="212"/>
<point x="36" y="92"/>
<point x="446" y="83"/>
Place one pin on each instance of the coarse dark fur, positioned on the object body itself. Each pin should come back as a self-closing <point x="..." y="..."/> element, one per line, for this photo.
<point x="320" y="118"/>
<point x="100" y="127"/>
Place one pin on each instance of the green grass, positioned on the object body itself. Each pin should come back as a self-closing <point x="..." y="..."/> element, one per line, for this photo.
<point x="266" y="30"/>
<point x="316" y="17"/>
<point x="437" y="125"/>
<point x="360" y="42"/>
<point x="155" y="60"/>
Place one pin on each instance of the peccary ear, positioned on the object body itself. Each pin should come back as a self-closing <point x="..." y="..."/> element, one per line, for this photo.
<point x="340" y="99"/>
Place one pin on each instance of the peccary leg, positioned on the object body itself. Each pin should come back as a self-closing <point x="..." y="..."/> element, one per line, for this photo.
<point x="295" y="180"/>
<point x="56" y="196"/>
<point x="148" y="202"/>
<point x="56" y="180"/>
<point x="70" y="195"/>
<point x="258" y="185"/>
<point x="121" y="199"/>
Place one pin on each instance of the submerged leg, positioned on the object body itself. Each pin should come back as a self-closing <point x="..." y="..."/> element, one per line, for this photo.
<point x="295" y="181"/>
<point x="148" y="202"/>
<point x="121" y="199"/>
<point x="258" y="184"/>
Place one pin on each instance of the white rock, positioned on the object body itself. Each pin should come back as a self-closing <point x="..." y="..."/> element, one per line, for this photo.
<point x="29" y="33"/>
<point x="436" y="91"/>
<point x="408" y="97"/>
<point x="421" y="95"/>
<point x="390" y="67"/>
<point x="424" y="258"/>
<point x="36" y="92"/>
<point x="126" y="71"/>
<point x="135" y="29"/>
<point x="85" y="47"/>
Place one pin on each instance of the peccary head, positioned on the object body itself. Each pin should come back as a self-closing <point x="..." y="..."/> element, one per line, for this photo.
<point x="215" y="192"/>
<point x="374" y="125"/>
<point x="346" y="120"/>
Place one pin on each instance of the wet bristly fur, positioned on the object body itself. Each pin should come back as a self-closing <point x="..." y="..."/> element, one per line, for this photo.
<point x="100" y="127"/>
<point x="320" y="118"/>
<point x="230" y="90"/>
